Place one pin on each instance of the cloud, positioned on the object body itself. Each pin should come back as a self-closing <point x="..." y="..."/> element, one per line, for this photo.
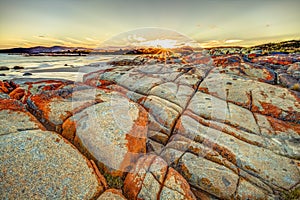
<point x="215" y="43"/>
<point x="67" y="41"/>
<point x="233" y="41"/>
<point x="74" y="40"/>
<point x="91" y="39"/>
<point x="19" y="43"/>
<point x="51" y="39"/>
<point x="134" y="38"/>
<point x="44" y="40"/>
<point x="28" y="44"/>
<point x="210" y="43"/>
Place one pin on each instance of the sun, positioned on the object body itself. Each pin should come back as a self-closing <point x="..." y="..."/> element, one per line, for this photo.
<point x="164" y="43"/>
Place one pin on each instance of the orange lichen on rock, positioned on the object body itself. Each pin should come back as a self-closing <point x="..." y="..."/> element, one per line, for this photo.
<point x="42" y="103"/>
<point x="11" y="104"/>
<point x="269" y="75"/>
<point x="17" y="93"/>
<point x="103" y="83"/>
<point x="136" y="141"/>
<point x="93" y="79"/>
<point x="52" y="86"/>
<point x="201" y="194"/>
<point x="15" y="106"/>
<point x="268" y="109"/>
<point x="152" y="174"/>
<point x="225" y="153"/>
<point x="204" y="90"/>
<point x="279" y="125"/>
<point x="134" y="180"/>
<point x="69" y="130"/>
<point x="132" y="185"/>
<point x="232" y="60"/>
<point x="5" y="87"/>
<point x="206" y="182"/>
<point x="180" y="181"/>
<point x="184" y="171"/>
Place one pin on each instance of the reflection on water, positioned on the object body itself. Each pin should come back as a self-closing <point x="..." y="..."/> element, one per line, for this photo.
<point x="49" y="67"/>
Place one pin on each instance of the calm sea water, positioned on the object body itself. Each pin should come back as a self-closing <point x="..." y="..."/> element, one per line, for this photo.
<point x="51" y="67"/>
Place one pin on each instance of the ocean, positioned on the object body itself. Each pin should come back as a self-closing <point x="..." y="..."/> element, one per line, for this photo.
<point x="61" y="67"/>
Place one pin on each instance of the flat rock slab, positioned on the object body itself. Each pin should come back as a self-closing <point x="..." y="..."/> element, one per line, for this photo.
<point x="201" y="148"/>
<point x="167" y="131"/>
<point x="230" y="120"/>
<point x="263" y="98"/>
<point x="39" y="164"/>
<point x="113" y="132"/>
<point x="151" y="178"/>
<point x="55" y="106"/>
<point x="22" y="88"/>
<point x="14" y="117"/>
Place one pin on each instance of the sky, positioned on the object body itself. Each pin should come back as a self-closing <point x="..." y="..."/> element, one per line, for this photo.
<point x="89" y="23"/>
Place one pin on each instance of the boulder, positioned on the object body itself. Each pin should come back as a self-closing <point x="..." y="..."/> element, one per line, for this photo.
<point x="258" y="97"/>
<point x="113" y="132"/>
<point x="27" y="74"/>
<point x="289" y="82"/>
<point x="17" y="67"/>
<point x="151" y="178"/>
<point x="39" y="164"/>
<point x="4" y="68"/>
<point x="14" y="117"/>
<point x="112" y="194"/>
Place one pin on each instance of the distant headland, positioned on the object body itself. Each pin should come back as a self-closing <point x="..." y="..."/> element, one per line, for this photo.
<point x="291" y="46"/>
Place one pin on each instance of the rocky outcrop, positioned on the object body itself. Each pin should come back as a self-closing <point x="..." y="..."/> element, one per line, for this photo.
<point x="4" y="68"/>
<point x="152" y="178"/>
<point x="198" y="129"/>
<point x="36" y="163"/>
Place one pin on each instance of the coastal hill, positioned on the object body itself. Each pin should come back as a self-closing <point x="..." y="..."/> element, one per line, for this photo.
<point x="292" y="46"/>
<point x="42" y="49"/>
<point x="285" y="45"/>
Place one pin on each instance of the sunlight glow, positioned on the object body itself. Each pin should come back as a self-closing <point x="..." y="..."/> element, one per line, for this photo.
<point x="166" y="43"/>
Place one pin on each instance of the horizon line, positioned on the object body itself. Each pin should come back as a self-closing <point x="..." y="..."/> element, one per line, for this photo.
<point x="201" y="46"/>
